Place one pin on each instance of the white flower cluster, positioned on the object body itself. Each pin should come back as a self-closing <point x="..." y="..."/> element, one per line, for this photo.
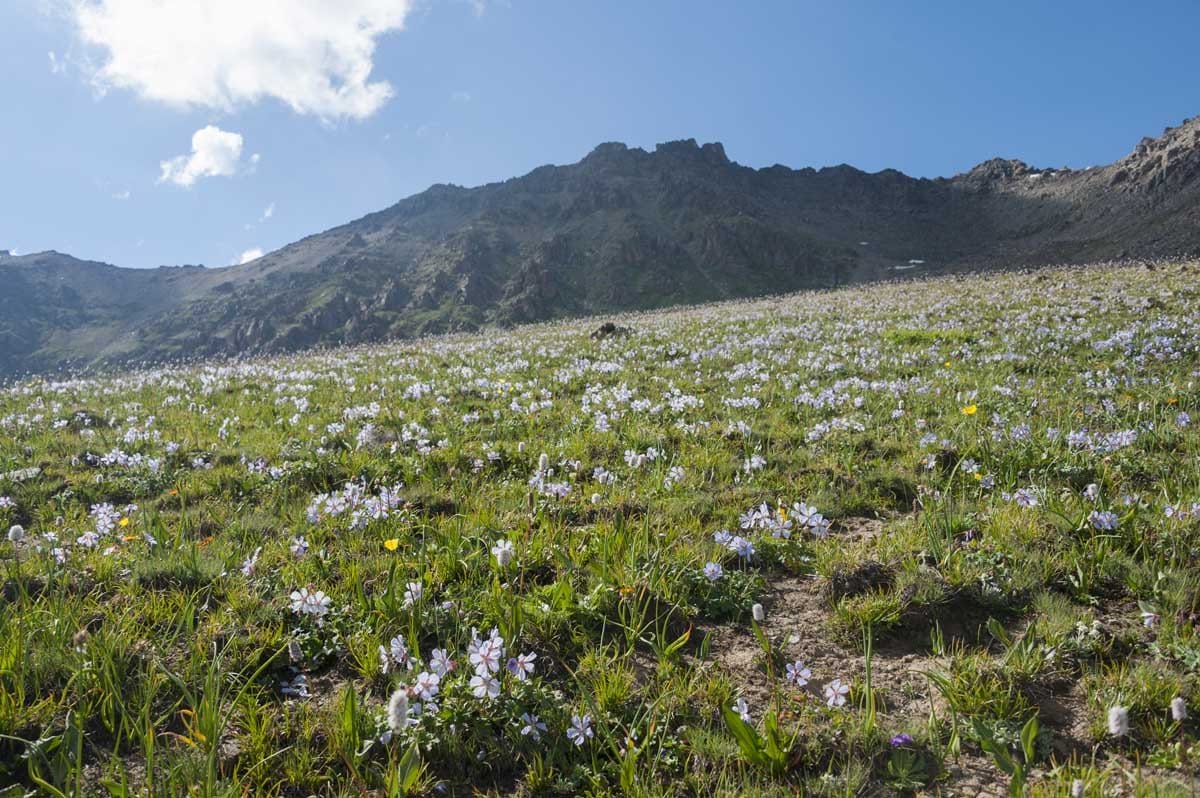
<point x="354" y="501"/>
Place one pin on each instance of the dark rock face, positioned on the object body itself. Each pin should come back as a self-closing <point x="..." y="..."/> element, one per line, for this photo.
<point x="622" y="229"/>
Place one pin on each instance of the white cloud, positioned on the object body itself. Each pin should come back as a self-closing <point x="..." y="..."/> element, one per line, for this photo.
<point x="251" y="254"/>
<point x="314" y="55"/>
<point x="56" y="66"/>
<point x="481" y="6"/>
<point x="215" y="152"/>
<point x="122" y="195"/>
<point x="268" y="212"/>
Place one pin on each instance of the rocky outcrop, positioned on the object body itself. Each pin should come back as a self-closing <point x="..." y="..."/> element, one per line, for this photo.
<point x="1172" y="160"/>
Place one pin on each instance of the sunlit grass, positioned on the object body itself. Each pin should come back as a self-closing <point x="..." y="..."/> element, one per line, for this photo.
<point x="982" y="489"/>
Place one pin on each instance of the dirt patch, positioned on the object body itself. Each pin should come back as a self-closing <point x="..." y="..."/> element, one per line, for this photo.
<point x="863" y="530"/>
<point x="971" y="776"/>
<point x="1065" y="714"/>
<point x="865" y="577"/>
<point x="797" y="609"/>
<point x="959" y="617"/>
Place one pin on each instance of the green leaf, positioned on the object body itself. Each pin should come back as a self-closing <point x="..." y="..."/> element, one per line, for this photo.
<point x="998" y="752"/>
<point x="1029" y="733"/>
<point x="409" y="769"/>
<point x="748" y="740"/>
<point x="761" y="638"/>
<point x="997" y="631"/>
<point x="679" y="643"/>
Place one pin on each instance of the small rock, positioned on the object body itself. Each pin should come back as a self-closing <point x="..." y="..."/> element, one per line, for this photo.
<point x="609" y="330"/>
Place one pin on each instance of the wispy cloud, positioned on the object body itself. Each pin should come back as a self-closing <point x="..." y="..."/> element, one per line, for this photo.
<point x="480" y="7"/>
<point x="254" y="253"/>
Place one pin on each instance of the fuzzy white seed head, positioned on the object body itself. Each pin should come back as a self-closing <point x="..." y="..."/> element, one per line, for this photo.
<point x="1077" y="788"/>
<point x="16" y="533"/>
<point x="758" y="613"/>
<point x="1118" y="721"/>
<point x="397" y="711"/>
<point x="503" y="552"/>
<point x="1179" y="709"/>
<point x="543" y="461"/>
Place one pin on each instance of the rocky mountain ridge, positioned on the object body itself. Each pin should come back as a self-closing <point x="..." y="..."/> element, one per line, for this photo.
<point x="624" y="228"/>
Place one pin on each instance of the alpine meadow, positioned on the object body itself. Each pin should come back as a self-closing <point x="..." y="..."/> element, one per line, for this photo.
<point x="912" y="536"/>
<point x="541" y="399"/>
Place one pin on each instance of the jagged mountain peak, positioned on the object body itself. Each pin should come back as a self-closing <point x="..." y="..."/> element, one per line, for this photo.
<point x="1000" y="169"/>
<point x="1170" y="160"/>
<point x="673" y="153"/>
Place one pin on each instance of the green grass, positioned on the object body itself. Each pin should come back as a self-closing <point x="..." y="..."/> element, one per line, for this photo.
<point x="1005" y="466"/>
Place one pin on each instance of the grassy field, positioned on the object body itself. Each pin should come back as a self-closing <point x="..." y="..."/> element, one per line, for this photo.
<point x="932" y="537"/>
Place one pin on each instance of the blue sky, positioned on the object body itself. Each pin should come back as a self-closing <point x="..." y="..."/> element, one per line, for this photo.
<point x="96" y="141"/>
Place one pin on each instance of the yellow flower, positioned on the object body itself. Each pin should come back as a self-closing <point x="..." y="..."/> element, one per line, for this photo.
<point x="969" y="410"/>
<point x="978" y="477"/>
<point x="946" y="364"/>
<point x="124" y="522"/>
<point x="391" y="544"/>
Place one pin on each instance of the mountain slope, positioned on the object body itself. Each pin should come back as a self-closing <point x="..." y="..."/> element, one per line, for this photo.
<point x="621" y="229"/>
